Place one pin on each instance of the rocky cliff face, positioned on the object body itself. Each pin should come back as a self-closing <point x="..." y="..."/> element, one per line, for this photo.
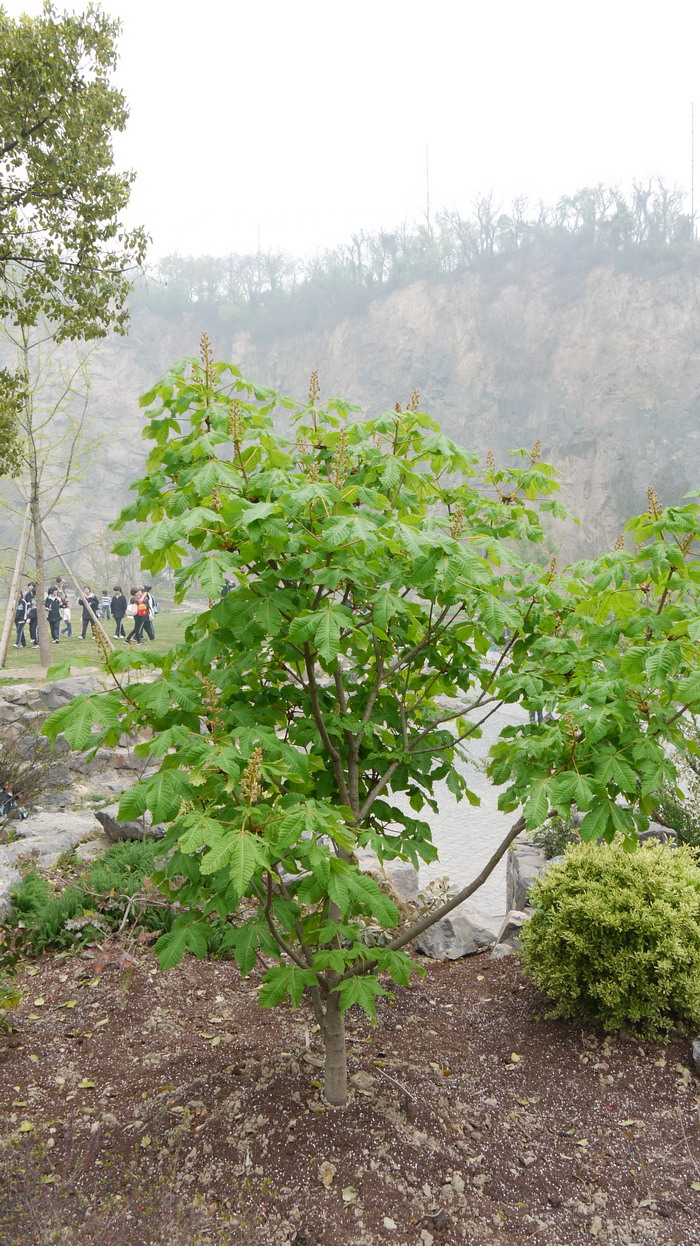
<point x="603" y="366"/>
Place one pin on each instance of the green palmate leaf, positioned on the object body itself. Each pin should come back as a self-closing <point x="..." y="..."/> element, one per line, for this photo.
<point x="284" y="981"/>
<point x="246" y="856"/>
<point x="200" y="830"/>
<point x="164" y="794"/>
<point x="362" y="991"/>
<point x="211" y="572"/>
<point x="245" y="941"/>
<point x="537" y="804"/>
<point x="688" y="689"/>
<point x="371" y="895"/>
<point x="77" y="719"/>
<point x="171" y="947"/>
<point x="219" y="854"/>
<point x="327" y="636"/>
<point x="597" y="823"/>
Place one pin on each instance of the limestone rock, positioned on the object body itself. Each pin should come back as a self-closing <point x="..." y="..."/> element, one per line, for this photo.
<point x="44" y="836"/>
<point x="696" y="1055"/>
<point x="525" y="864"/>
<point x="140" y="828"/>
<point x="462" y="932"/>
<point x="64" y="690"/>
<point x="508" y="940"/>
<point x="9" y="879"/>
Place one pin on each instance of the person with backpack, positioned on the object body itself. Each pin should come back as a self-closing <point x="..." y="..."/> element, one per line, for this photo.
<point x="20" y="621"/>
<point x="138" y="610"/>
<point x="152" y="609"/>
<point x="118" y="606"/>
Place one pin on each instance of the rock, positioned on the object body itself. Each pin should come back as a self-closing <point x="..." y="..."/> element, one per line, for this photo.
<point x="696" y="1055"/>
<point x="508" y="940"/>
<point x="64" y="690"/>
<point x="140" y="828"/>
<point x="95" y="765"/>
<point x="461" y="933"/>
<point x="525" y="864"/>
<point x="661" y="834"/>
<point x="44" y="836"/>
<point x="28" y="695"/>
<point x="90" y="849"/>
<point x="9" y="880"/>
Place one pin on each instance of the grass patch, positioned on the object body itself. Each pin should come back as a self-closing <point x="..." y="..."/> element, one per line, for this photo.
<point x="169" y="627"/>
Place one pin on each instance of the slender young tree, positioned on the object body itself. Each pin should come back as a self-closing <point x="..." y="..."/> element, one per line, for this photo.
<point x="56" y="444"/>
<point x="65" y="257"/>
<point x="373" y="567"/>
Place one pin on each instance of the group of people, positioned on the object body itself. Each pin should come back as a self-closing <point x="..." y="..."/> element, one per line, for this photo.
<point x="141" y="609"/>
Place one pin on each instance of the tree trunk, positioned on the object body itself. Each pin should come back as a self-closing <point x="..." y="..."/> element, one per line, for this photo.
<point x="41" y="620"/>
<point x="335" y="1083"/>
<point x="14" y="587"/>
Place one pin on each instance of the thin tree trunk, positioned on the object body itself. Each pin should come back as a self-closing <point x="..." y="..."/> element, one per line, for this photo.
<point x="335" y="1083"/>
<point x="41" y="619"/>
<point x="14" y="588"/>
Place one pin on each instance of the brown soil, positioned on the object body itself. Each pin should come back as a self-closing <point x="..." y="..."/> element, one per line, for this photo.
<point x="142" y="1108"/>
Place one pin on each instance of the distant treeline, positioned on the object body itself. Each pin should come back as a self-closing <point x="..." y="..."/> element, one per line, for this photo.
<point x="270" y="293"/>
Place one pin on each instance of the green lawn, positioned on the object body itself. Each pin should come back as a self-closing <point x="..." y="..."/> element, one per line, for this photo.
<point x="169" y="628"/>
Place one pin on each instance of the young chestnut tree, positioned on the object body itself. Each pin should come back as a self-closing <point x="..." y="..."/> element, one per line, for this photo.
<point x="372" y="567"/>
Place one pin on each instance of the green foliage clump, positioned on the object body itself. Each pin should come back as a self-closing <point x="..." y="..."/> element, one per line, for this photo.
<point x="554" y="836"/>
<point x="101" y="897"/>
<point x="616" y="935"/>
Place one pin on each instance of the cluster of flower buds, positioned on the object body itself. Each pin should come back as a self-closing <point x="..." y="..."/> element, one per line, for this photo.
<point x="251" y="782"/>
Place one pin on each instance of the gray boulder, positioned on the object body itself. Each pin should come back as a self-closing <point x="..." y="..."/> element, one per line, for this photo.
<point x="140" y="828"/>
<point x="508" y="940"/>
<point x="524" y="865"/>
<point x="44" y="836"/>
<point x="64" y="690"/>
<point x="463" y="932"/>
<point x="696" y="1055"/>
<point x="9" y="880"/>
<point x="661" y="834"/>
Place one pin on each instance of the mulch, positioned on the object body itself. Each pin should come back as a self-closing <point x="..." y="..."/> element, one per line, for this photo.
<point x="141" y="1108"/>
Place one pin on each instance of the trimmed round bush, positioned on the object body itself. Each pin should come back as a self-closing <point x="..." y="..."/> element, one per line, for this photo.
<point x="616" y="936"/>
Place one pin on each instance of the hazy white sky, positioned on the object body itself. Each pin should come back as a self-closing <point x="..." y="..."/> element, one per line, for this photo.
<point x="308" y="120"/>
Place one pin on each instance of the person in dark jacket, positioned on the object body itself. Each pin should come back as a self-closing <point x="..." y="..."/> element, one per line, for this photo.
<point x="91" y="600"/>
<point x="32" y="615"/>
<point x="53" y="613"/>
<point x="118" y="607"/>
<point x="20" y="621"/>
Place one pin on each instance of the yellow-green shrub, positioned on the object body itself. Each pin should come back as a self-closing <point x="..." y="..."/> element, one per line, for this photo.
<point x="616" y="936"/>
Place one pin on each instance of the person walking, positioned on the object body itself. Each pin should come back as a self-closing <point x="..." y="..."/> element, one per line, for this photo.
<point x="20" y="620"/>
<point x="90" y="599"/>
<point x="151" y="611"/>
<point x="104" y="604"/>
<point x="139" y="612"/>
<point x="53" y="614"/>
<point x="118" y="606"/>
<point x="67" y="629"/>
<point x="32" y="616"/>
